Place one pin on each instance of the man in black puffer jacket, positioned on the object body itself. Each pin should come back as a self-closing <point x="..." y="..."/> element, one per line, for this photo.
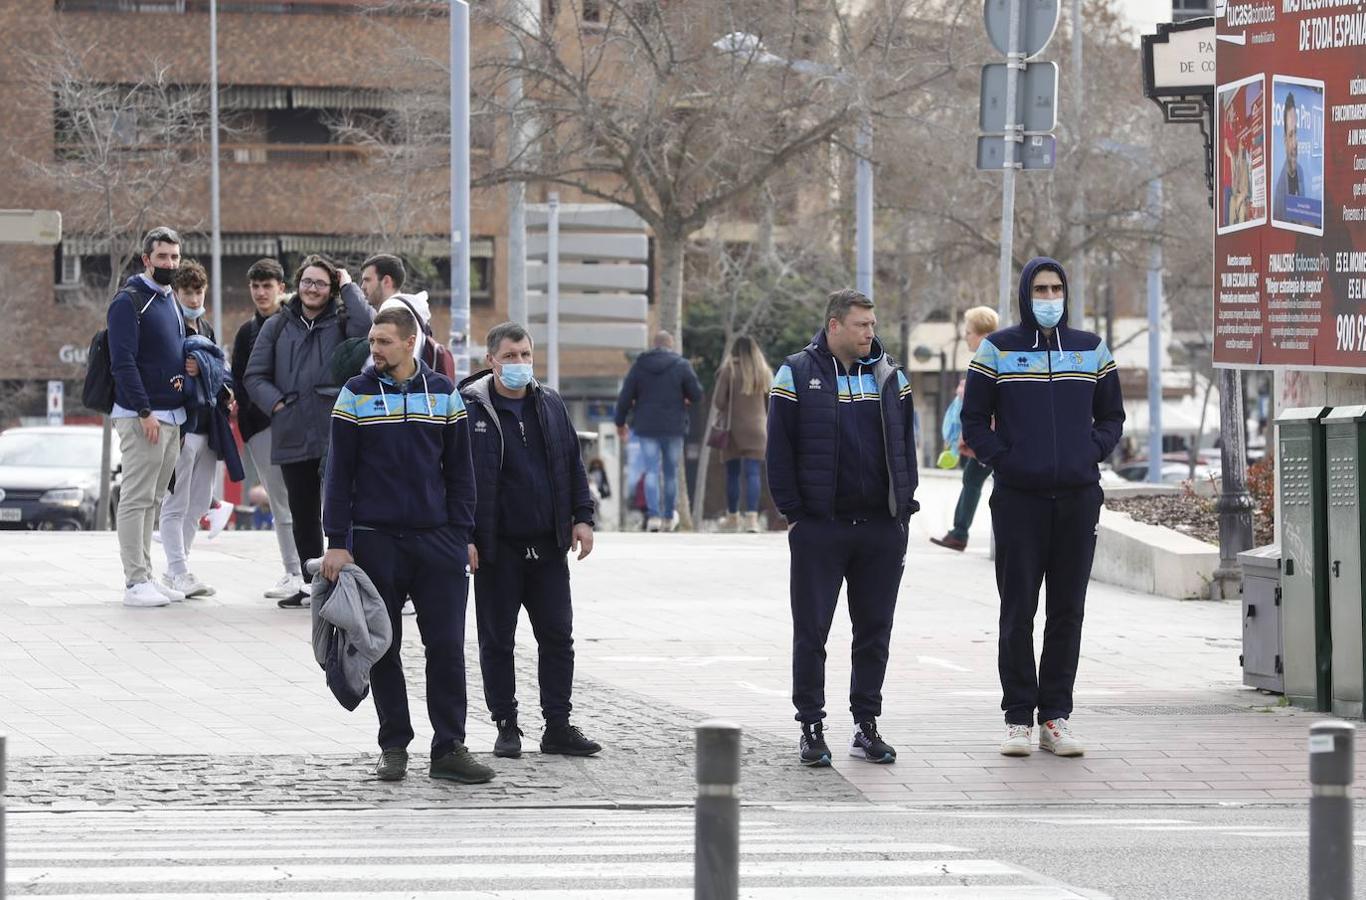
<point x="841" y="468"/>
<point x="533" y="507"/>
<point x="656" y="395"/>
<point x="1042" y="408"/>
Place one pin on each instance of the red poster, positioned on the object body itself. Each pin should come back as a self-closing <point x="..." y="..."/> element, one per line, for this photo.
<point x="1290" y="184"/>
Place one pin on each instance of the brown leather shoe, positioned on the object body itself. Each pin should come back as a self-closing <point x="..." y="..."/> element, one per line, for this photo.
<point x="950" y="542"/>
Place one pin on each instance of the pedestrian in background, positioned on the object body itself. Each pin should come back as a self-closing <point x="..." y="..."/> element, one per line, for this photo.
<point x="533" y="508"/>
<point x="289" y="373"/>
<point x="400" y="496"/>
<point x="980" y="321"/>
<point x="655" y="396"/>
<point x="741" y="401"/>
<point x="1042" y="409"/>
<point x="842" y="471"/>
<point x="205" y="439"/>
<point x="147" y="360"/>
<point x="266" y="280"/>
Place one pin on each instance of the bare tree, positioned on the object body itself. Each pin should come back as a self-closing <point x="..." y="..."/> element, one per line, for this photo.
<point x="125" y="154"/>
<point x="636" y="105"/>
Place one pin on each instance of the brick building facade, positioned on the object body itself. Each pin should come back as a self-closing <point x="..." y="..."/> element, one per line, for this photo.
<point x="289" y="72"/>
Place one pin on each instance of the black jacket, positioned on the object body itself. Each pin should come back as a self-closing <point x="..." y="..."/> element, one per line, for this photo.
<point x="653" y="393"/>
<point x="571" y="500"/>
<point x="251" y="419"/>
<point x="1054" y="400"/>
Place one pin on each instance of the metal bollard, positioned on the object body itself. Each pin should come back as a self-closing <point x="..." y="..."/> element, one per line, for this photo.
<point x="2" y="817"/>
<point x="1330" y="810"/>
<point x="716" y="865"/>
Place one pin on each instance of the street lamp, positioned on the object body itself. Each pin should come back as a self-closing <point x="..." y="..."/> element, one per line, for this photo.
<point x="741" y="43"/>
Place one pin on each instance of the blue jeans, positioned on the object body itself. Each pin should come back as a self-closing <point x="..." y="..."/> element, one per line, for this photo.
<point x="751" y="470"/>
<point x="657" y="453"/>
<point x="974" y="477"/>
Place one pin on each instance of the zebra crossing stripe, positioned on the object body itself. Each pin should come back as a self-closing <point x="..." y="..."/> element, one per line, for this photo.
<point x="501" y="872"/>
<point x="898" y="892"/>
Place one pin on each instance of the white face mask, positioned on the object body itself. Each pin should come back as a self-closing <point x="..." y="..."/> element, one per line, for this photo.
<point x="1048" y="313"/>
<point x="515" y="376"/>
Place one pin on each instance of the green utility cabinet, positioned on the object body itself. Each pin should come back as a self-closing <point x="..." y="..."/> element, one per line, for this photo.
<point x="1345" y="441"/>
<point x="1308" y="647"/>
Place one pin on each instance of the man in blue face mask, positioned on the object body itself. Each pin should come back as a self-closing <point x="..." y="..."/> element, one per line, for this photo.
<point x="533" y="508"/>
<point x="1042" y="408"/>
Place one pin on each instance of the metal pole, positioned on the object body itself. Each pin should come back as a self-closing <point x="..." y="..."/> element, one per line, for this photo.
<point x="1014" y="63"/>
<point x="460" y="186"/>
<point x="716" y="864"/>
<point x="1330" y="810"/>
<point x="2" y="817"/>
<point x="527" y="15"/>
<point x="1076" y="276"/>
<point x="1234" y="503"/>
<point x="552" y="291"/>
<point x="215" y="218"/>
<point x="1155" y="333"/>
<point x="863" y="207"/>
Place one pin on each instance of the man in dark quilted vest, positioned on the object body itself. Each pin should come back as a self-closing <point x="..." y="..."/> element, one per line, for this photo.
<point x="841" y="468"/>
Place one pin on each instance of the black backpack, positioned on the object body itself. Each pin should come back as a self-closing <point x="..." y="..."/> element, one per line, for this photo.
<point x="98" y="391"/>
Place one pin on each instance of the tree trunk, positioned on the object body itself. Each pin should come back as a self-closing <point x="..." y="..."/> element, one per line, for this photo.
<point x="670" y="249"/>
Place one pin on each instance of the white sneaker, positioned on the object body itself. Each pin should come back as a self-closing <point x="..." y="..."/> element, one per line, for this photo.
<point x="654" y="523"/>
<point x="170" y="593"/>
<point x="1018" y="742"/>
<point x="187" y="584"/>
<point x="144" y="593"/>
<point x="218" y="517"/>
<point x="1056" y="737"/>
<point x="287" y="586"/>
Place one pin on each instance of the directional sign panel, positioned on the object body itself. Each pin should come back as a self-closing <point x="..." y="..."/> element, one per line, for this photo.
<point x="1038" y="20"/>
<point x="627" y="307"/>
<point x="30" y="226"/>
<point x="624" y="278"/>
<point x="595" y="335"/>
<point x="1039" y="151"/>
<point x="1036" y="98"/>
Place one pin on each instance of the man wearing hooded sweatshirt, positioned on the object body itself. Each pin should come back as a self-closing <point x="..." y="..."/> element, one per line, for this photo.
<point x="400" y="497"/>
<point x="1042" y="408"/>
<point x="534" y="508"/>
<point x="655" y="394"/>
<point x="289" y="375"/>
<point x="842" y="471"/>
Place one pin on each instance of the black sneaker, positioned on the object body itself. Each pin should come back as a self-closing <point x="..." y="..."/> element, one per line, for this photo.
<point x="459" y="765"/>
<point x="509" y="742"/>
<point x="392" y="765"/>
<point x="868" y="744"/>
<point x="814" y="751"/>
<point x="567" y="740"/>
<point x="295" y="601"/>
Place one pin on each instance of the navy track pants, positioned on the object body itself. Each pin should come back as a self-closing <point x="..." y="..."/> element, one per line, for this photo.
<point x="869" y="555"/>
<point x="1042" y="540"/>
<point x="535" y="575"/>
<point x="430" y="568"/>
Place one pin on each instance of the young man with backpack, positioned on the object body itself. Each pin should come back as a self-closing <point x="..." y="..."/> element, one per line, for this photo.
<point x="146" y="336"/>
<point x="266" y="278"/>
<point x="290" y="374"/>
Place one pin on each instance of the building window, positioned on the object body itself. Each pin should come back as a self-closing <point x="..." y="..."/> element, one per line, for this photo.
<point x="481" y="282"/>
<point x="431" y="8"/>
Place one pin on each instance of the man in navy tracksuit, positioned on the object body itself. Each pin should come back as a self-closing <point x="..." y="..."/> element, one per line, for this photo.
<point x="1042" y="408"/>
<point x="534" y="507"/>
<point x="841" y="468"/>
<point x="399" y="491"/>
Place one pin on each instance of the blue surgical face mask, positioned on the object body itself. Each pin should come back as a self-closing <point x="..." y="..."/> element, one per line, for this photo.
<point x="191" y="314"/>
<point x="1048" y="313"/>
<point x="515" y="376"/>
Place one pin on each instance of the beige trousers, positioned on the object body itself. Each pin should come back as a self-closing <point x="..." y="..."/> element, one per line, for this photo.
<point x="147" y="470"/>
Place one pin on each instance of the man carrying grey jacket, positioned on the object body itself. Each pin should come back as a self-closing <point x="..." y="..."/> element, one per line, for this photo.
<point x="289" y="376"/>
<point x="351" y="631"/>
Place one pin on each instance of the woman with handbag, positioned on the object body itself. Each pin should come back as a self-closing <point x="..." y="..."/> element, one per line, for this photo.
<point x="741" y="427"/>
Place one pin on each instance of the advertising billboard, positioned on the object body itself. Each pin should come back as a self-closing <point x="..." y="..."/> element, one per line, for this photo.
<point x="1290" y="184"/>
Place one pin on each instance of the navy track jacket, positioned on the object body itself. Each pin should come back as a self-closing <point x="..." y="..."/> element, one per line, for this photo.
<point x="1055" y="400"/>
<point x="811" y="410"/>
<point x="399" y="458"/>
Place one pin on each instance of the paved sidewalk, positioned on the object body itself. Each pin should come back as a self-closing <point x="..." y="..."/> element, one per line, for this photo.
<point x="671" y="629"/>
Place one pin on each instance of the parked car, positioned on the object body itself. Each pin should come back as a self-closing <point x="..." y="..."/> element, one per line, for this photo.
<point x="50" y="477"/>
<point x="1173" y="472"/>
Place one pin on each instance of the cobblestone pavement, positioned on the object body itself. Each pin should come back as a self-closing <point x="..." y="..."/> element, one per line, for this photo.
<point x="649" y="761"/>
<point x="220" y="699"/>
